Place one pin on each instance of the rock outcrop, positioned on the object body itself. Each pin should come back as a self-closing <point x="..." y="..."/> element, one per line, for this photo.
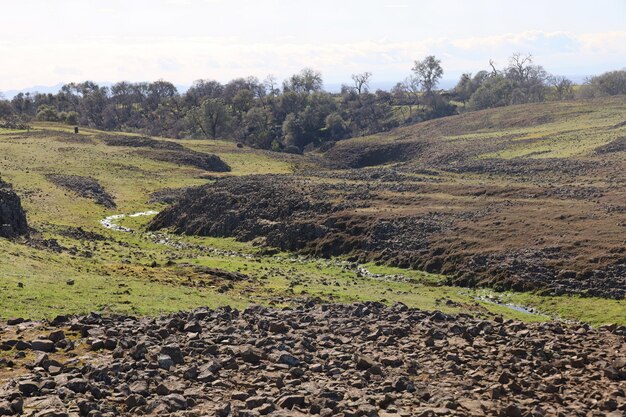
<point x="169" y="151"/>
<point x="12" y="217"/>
<point x="86" y="187"/>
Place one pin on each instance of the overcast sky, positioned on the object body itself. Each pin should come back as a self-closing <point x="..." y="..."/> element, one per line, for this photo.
<point x="45" y="42"/>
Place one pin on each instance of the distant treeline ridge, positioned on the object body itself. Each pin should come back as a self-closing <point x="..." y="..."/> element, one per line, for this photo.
<point x="298" y="114"/>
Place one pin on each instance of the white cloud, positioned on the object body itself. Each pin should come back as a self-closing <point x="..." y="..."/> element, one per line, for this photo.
<point x="184" y="59"/>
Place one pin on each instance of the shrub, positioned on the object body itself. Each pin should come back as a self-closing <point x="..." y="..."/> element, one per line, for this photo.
<point x="610" y="83"/>
<point x="71" y="118"/>
<point x="46" y="113"/>
<point x="293" y="149"/>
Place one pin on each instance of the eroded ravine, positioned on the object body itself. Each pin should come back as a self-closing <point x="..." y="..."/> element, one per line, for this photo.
<point x="360" y="270"/>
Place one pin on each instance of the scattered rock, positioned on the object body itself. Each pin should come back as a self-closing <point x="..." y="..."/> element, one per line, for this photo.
<point x="328" y="360"/>
<point x="42" y="345"/>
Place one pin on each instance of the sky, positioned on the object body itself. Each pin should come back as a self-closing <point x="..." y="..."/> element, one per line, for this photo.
<point x="46" y="42"/>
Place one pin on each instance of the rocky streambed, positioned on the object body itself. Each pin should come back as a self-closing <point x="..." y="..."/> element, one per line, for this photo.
<point x="314" y="359"/>
<point x="110" y="222"/>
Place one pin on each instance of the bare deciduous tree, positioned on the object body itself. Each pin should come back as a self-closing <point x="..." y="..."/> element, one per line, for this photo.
<point x="563" y="86"/>
<point x="362" y="82"/>
<point x="429" y="72"/>
<point x="520" y="66"/>
<point x="494" y="70"/>
<point x="271" y="85"/>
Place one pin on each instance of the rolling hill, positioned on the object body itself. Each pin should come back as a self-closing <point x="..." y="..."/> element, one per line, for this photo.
<point x="147" y="276"/>
<point x="525" y="198"/>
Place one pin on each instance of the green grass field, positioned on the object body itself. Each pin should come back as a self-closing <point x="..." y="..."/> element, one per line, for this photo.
<point x="137" y="273"/>
<point x="566" y="129"/>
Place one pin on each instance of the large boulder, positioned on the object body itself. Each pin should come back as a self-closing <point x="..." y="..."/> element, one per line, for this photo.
<point x="12" y="217"/>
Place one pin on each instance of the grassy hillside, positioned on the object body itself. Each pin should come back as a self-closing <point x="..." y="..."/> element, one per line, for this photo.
<point x="148" y="273"/>
<point x="544" y="177"/>
<point x="544" y="130"/>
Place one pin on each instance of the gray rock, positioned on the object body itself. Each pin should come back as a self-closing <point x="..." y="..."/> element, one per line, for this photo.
<point x="255" y="402"/>
<point x="165" y="362"/>
<point x="57" y="336"/>
<point x="42" y="345"/>
<point x="79" y="385"/>
<point x="291" y="401"/>
<point x="28" y="387"/>
<point x="174" y="352"/>
<point x="288" y="359"/>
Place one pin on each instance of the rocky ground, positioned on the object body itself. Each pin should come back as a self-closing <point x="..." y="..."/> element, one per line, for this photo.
<point x="85" y="187"/>
<point x="522" y="237"/>
<point x="141" y="142"/>
<point x="447" y="196"/>
<point x="168" y="151"/>
<point x="315" y="359"/>
<point x="207" y="162"/>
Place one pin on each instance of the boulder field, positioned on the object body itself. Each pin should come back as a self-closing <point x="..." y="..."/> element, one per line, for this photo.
<point x="312" y="359"/>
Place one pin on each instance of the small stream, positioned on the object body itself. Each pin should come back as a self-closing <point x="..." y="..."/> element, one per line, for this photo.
<point x="514" y="307"/>
<point x="110" y="222"/>
<point x="164" y="239"/>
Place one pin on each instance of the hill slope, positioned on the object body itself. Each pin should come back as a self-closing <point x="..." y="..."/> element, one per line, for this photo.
<point x="447" y="206"/>
<point x="84" y="255"/>
<point x="335" y="333"/>
<point x="523" y="197"/>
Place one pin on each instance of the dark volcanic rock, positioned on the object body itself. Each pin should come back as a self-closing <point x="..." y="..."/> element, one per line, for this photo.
<point x="358" y="154"/>
<point x="86" y="187"/>
<point x="142" y="142"/>
<point x="270" y="206"/>
<point x="332" y="360"/>
<point x="617" y="145"/>
<point x="167" y="195"/>
<point x="292" y="213"/>
<point x="204" y="161"/>
<point x="42" y="345"/>
<point x="370" y="219"/>
<point x="12" y="217"/>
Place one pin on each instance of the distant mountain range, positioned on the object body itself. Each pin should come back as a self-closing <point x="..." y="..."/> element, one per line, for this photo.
<point x="38" y="88"/>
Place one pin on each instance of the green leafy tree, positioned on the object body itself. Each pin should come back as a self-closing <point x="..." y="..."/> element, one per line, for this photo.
<point x="428" y="71"/>
<point x="257" y="128"/>
<point x="202" y="89"/>
<point x="211" y="118"/>
<point x="47" y="113"/>
<point x="468" y="85"/>
<point x="6" y="110"/>
<point x="293" y="131"/>
<point x="610" y="83"/>
<point x="307" y="81"/>
<point x="71" y="118"/>
<point x="336" y="127"/>
<point x="495" y="91"/>
<point x="242" y="102"/>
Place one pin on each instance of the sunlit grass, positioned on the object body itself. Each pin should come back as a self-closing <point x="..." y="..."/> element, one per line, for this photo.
<point x="132" y="273"/>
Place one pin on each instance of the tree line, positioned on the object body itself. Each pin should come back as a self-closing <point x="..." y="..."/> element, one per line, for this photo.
<point x="297" y="114"/>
